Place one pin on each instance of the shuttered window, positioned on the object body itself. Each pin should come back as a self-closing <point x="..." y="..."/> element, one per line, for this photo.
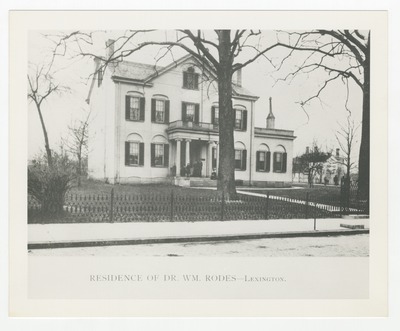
<point x="280" y="162"/>
<point x="263" y="161"/>
<point x="160" y="111"/>
<point x="159" y="155"/>
<point x="134" y="153"/>
<point x="240" y="119"/>
<point x="134" y="108"/>
<point x="240" y="159"/>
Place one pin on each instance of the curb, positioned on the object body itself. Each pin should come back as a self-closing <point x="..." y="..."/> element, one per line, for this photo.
<point x="168" y="240"/>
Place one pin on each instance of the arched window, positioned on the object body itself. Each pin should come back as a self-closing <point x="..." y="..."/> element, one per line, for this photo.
<point x="160" y="109"/>
<point x="263" y="158"/>
<point x="240" y="156"/>
<point x="190" y="79"/>
<point x="240" y="117"/>
<point x="134" y="150"/>
<point x="134" y="106"/>
<point x="159" y="151"/>
<point x="280" y="159"/>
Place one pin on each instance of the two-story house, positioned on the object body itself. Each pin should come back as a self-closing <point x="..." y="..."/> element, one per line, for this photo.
<point x="150" y="122"/>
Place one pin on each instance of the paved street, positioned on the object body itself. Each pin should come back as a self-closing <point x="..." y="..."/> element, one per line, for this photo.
<point x="357" y="245"/>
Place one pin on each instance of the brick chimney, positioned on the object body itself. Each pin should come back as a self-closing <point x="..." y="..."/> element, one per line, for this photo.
<point x="110" y="47"/>
<point x="337" y="152"/>
<point x="238" y="81"/>
<point x="307" y="150"/>
<point x="270" y="117"/>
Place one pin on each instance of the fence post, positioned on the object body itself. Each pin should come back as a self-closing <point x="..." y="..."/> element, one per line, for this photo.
<point x="307" y="199"/>
<point x="172" y="205"/>
<point x="266" y="207"/>
<point x="112" y="206"/>
<point x="222" y="206"/>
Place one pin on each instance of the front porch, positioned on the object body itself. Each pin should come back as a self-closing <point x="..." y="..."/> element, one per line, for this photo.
<point x="193" y="149"/>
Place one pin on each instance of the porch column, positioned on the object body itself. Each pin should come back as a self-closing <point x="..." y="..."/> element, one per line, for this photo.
<point x="178" y="157"/>
<point x="209" y="158"/>
<point x="187" y="151"/>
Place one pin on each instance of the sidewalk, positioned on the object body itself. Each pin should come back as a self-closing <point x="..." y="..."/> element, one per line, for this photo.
<point x="101" y="234"/>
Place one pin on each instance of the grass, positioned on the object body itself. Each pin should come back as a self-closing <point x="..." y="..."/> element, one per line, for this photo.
<point x="319" y="193"/>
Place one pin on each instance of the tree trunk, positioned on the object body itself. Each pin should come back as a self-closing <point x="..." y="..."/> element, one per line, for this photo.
<point x="46" y="138"/>
<point x="79" y="170"/>
<point x="363" y="163"/>
<point x="226" y="169"/>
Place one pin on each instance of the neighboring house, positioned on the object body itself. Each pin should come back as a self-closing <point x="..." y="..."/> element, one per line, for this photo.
<point x="150" y="122"/>
<point x="333" y="166"/>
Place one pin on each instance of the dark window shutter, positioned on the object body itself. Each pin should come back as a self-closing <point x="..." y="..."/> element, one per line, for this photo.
<point x="244" y="159"/>
<point x="274" y="165"/>
<point x="141" y="154"/>
<point x="284" y="161"/>
<point x="183" y="111"/>
<point x="196" y="113"/>
<point x="153" y="110"/>
<point x="127" y="106"/>
<point x="185" y="79"/>
<point x="196" y="81"/>
<point x="234" y="118"/>
<point x="258" y="161"/>
<point x="142" y="108"/>
<point x="244" y="119"/>
<point x="166" y="155"/>
<point x="166" y="111"/>
<point x="268" y="162"/>
<point x="153" y="154"/>
<point x="213" y="115"/>
<point x="126" y="152"/>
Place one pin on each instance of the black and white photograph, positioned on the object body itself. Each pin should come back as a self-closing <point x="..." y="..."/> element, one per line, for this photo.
<point x="202" y="164"/>
<point x="199" y="142"/>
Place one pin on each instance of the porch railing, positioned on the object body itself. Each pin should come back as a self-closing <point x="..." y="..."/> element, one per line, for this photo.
<point x="199" y="126"/>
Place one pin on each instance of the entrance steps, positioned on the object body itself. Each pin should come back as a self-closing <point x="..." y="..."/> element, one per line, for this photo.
<point x="202" y="182"/>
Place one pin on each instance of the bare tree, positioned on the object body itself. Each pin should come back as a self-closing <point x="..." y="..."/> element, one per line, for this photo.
<point x="77" y="143"/>
<point x="341" y="55"/>
<point x="345" y="137"/>
<point x="220" y="50"/>
<point x="40" y="87"/>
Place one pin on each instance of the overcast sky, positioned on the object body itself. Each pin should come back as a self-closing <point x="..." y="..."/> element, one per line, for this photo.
<point x="317" y="120"/>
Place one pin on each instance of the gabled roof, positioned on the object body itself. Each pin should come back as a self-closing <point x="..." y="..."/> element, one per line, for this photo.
<point x="135" y="70"/>
<point x="145" y="73"/>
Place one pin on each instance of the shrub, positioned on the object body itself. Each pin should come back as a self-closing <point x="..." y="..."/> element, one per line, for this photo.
<point x="48" y="185"/>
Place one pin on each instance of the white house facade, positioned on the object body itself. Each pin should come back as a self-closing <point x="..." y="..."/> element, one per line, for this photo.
<point x="150" y="122"/>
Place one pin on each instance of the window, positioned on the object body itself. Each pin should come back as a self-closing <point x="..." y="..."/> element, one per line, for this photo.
<point x="190" y="112"/>
<point x="240" y="119"/>
<point x="263" y="160"/>
<point x="134" y="108"/>
<point x="159" y="155"/>
<point x="240" y="159"/>
<point x="280" y="160"/>
<point x="159" y="111"/>
<point x="215" y="115"/>
<point x="134" y="153"/>
<point x="190" y="79"/>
